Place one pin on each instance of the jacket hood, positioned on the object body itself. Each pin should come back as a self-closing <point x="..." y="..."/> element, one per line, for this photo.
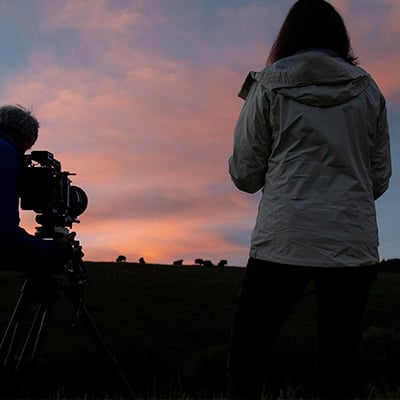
<point x="313" y="77"/>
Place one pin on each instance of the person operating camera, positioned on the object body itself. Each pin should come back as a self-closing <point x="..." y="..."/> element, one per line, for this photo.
<point x="19" y="249"/>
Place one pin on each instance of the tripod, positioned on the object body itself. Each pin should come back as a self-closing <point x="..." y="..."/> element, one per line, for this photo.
<point x="22" y="340"/>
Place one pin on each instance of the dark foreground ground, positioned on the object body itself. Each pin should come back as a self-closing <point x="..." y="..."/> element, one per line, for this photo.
<point x="168" y="327"/>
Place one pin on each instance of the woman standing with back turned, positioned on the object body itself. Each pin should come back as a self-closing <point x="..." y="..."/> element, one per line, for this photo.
<point x="313" y="135"/>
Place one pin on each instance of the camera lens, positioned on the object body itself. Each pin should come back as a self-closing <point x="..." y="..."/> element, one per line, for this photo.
<point x="78" y="201"/>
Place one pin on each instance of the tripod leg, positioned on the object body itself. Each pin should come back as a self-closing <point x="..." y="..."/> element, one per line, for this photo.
<point x="34" y="338"/>
<point x="101" y="344"/>
<point x="94" y="332"/>
<point x="11" y="333"/>
<point x="9" y="382"/>
<point x="18" y="353"/>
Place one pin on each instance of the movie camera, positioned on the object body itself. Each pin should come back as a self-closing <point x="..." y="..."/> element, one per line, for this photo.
<point x="47" y="190"/>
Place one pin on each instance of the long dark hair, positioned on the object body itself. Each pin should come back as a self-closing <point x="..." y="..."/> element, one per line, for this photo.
<point x="312" y="24"/>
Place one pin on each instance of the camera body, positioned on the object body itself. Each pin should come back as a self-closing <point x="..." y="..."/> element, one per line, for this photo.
<point x="47" y="190"/>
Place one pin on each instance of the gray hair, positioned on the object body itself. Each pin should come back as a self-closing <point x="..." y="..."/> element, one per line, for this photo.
<point x="19" y="123"/>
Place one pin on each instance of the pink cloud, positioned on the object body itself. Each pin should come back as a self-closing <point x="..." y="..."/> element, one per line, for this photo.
<point x="98" y="16"/>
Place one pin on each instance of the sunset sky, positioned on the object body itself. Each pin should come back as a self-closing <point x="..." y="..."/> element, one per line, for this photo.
<point x="139" y="98"/>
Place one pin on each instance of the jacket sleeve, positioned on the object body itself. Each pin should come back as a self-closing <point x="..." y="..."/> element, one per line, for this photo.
<point x="381" y="159"/>
<point x="252" y="141"/>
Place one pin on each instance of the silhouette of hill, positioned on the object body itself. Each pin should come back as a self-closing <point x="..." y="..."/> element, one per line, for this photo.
<point x="169" y="328"/>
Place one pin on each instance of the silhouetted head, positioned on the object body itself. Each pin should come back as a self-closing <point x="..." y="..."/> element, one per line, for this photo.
<point x="312" y="24"/>
<point x="20" y="125"/>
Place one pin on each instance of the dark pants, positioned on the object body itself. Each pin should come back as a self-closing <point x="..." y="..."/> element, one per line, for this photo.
<point x="269" y="294"/>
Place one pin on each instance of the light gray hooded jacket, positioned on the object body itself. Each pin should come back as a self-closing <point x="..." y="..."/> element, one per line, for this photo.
<point x="313" y="135"/>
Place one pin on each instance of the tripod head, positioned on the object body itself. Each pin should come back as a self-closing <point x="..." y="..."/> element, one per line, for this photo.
<point x="72" y="274"/>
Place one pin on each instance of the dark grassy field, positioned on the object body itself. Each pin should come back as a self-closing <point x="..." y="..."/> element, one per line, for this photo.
<point x="168" y="326"/>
